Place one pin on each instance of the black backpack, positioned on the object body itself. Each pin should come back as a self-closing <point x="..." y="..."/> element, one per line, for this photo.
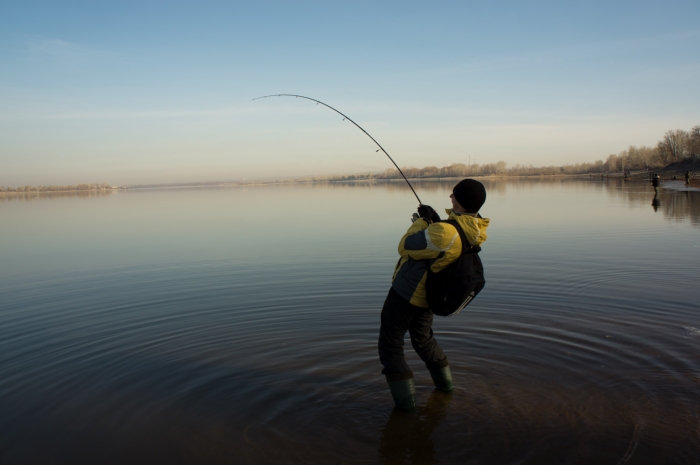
<point x="454" y="287"/>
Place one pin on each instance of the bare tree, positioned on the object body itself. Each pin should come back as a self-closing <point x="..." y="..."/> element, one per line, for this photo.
<point x="612" y="163"/>
<point x="429" y="172"/>
<point x="694" y="141"/>
<point x="674" y="144"/>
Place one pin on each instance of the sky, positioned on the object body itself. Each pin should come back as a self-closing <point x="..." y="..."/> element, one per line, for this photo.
<point x="160" y="92"/>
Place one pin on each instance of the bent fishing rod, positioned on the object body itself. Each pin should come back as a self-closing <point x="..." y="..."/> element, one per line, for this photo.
<point x="345" y="117"/>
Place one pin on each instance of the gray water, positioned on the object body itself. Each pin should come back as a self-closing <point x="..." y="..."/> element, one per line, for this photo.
<point x="239" y="325"/>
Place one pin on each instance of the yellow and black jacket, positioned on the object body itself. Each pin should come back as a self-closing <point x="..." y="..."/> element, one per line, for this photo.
<point x="435" y="245"/>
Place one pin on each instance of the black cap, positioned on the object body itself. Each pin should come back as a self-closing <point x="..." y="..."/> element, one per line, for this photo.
<point x="470" y="194"/>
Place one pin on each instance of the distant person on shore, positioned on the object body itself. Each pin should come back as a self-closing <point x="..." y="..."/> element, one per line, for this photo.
<point x="655" y="183"/>
<point x="687" y="178"/>
<point x="428" y="243"/>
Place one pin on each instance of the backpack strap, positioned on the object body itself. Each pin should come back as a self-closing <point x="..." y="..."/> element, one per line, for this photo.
<point x="463" y="237"/>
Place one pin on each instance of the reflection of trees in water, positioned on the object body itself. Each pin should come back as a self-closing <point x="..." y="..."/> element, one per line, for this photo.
<point x="28" y="196"/>
<point x="674" y="205"/>
<point x="681" y="205"/>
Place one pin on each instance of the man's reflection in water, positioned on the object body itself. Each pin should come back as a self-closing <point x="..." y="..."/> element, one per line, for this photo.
<point x="407" y="435"/>
<point x="656" y="203"/>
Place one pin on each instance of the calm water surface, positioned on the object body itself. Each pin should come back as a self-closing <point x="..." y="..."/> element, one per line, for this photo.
<point x="239" y="326"/>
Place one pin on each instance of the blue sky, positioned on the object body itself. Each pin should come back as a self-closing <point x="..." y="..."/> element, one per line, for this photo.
<point x="132" y="92"/>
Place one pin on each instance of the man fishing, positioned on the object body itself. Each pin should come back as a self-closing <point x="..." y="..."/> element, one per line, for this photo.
<point x="428" y="243"/>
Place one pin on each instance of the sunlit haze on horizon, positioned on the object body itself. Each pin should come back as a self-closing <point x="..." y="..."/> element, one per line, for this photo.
<point x="152" y="92"/>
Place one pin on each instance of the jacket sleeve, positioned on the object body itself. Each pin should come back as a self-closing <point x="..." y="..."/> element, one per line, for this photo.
<point x="423" y="241"/>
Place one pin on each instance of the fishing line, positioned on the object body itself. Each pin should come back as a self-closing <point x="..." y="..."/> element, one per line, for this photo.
<point x="345" y="117"/>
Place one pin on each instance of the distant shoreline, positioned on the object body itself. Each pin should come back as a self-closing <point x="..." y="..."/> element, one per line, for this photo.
<point x="666" y="174"/>
<point x="59" y="189"/>
<point x="63" y="191"/>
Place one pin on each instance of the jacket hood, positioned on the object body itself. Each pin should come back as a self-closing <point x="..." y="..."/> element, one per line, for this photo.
<point x="474" y="227"/>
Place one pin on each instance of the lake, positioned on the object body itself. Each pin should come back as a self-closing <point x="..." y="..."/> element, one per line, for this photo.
<point x="239" y="325"/>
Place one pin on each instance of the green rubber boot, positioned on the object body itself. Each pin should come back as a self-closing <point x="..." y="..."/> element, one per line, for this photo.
<point x="403" y="390"/>
<point x="442" y="378"/>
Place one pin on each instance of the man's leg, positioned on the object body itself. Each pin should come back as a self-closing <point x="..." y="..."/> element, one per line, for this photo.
<point x="425" y="345"/>
<point x="396" y="319"/>
<point x="422" y="339"/>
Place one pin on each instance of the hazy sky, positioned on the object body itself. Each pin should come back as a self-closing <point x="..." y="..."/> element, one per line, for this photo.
<point x="132" y="92"/>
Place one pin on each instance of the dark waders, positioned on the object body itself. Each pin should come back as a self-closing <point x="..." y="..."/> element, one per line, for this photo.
<point x="398" y="317"/>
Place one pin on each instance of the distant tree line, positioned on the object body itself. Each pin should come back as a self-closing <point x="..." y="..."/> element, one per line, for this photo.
<point x="674" y="146"/>
<point x="78" y="187"/>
